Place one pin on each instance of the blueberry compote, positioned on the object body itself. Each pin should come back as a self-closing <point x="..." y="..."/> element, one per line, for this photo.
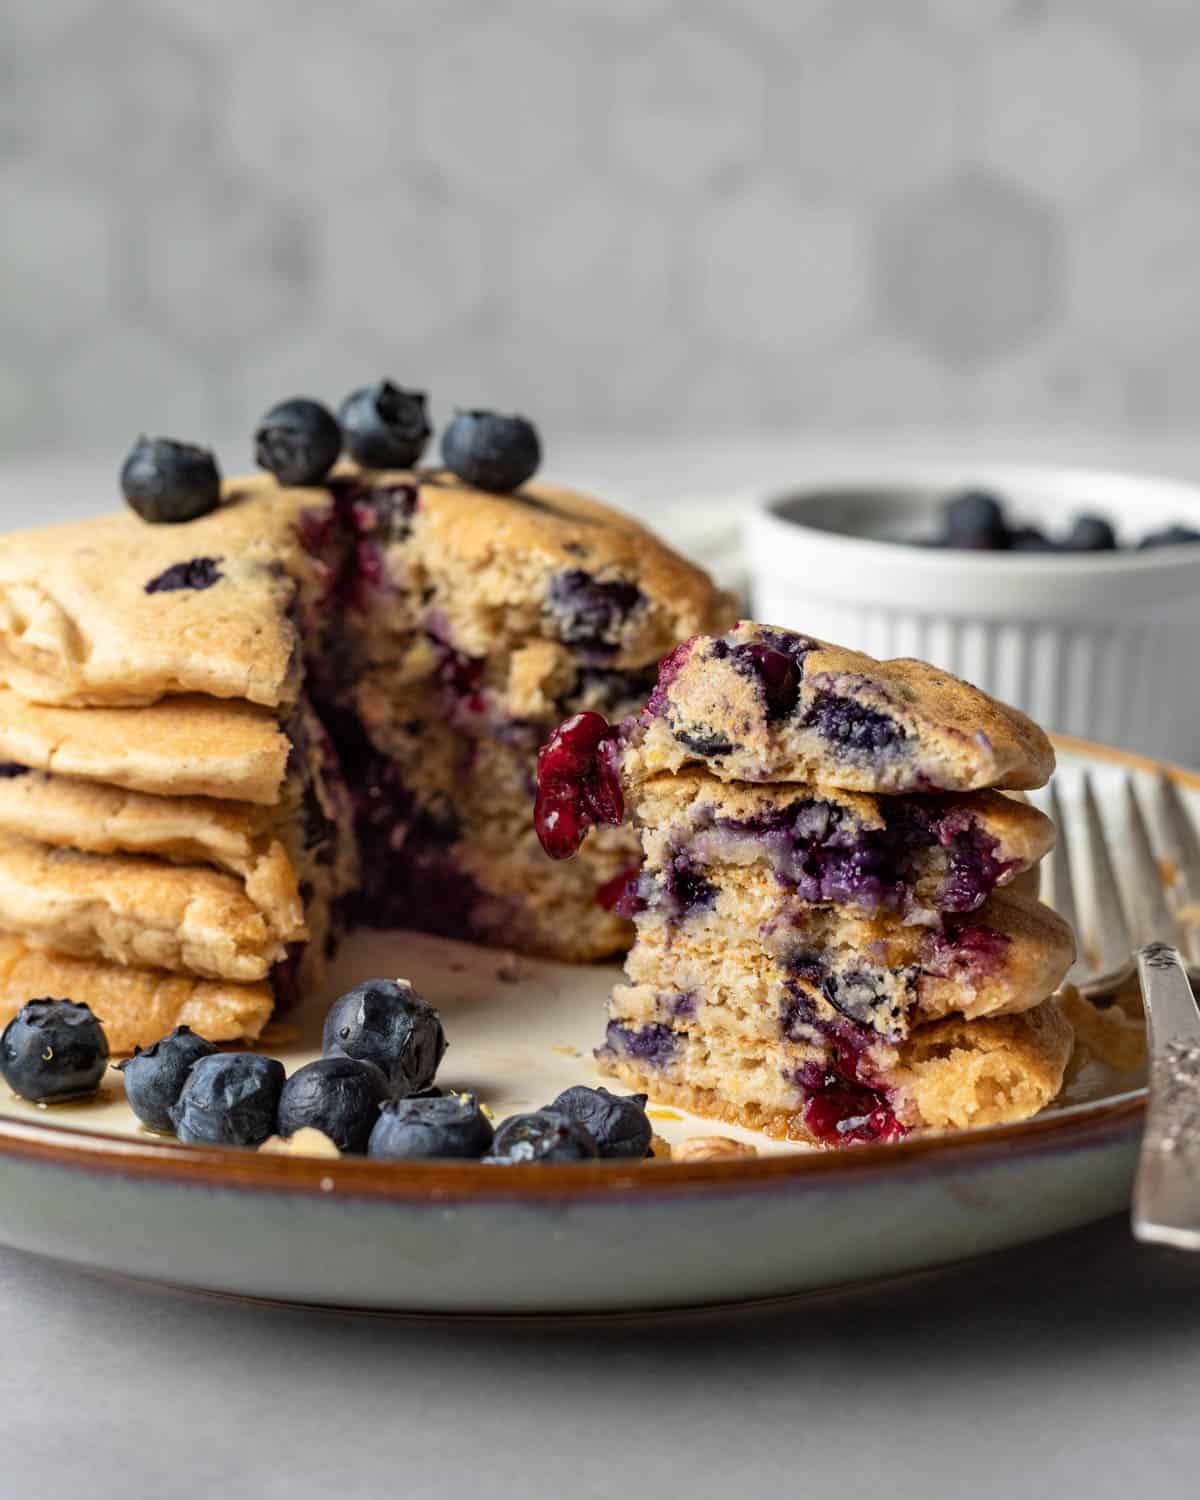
<point x="844" y="1104"/>
<point x="578" y="783"/>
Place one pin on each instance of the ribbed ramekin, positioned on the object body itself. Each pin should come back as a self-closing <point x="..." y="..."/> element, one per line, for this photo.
<point x="1101" y="645"/>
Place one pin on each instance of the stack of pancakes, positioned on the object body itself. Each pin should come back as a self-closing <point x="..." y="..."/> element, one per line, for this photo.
<point x="202" y="725"/>
<point x="838" y="931"/>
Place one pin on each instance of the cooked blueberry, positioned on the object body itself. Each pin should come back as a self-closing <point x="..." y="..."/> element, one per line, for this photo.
<point x="578" y="783"/>
<point x="384" y="426"/>
<point x="416" y="1128"/>
<point x="167" y="482"/>
<point x="339" y="1096"/>
<point x="10" y="770"/>
<point x="1029" y="539"/>
<point x="589" y="612"/>
<point x="704" y="741"/>
<point x="229" y="1099"/>
<point x="851" y="724"/>
<point x="196" y="573"/>
<point x="654" y="1043"/>
<point x="778" y="674"/>
<point x="385" y="1021"/>
<point x="1091" y="534"/>
<point x="975" y="520"/>
<point x="53" y="1050"/>
<point x="155" y="1075"/>
<point x="543" y="1135"/>
<point x="298" y="441"/>
<point x="619" y="1124"/>
<point x="491" y="451"/>
<point x="1171" y="536"/>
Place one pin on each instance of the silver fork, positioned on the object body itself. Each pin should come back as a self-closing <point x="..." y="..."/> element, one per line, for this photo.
<point x="1143" y="930"/>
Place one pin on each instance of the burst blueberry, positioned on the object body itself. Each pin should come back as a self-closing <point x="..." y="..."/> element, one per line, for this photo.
<point x="618" y="1123"/>
<point x="155" y="1075"/>
<point x="197" y="573"/>
<point x="491" y="451"/>
<point x="421" y="1127"/>
<point x="544" y="1135"/>
<point x="384" y="426"/>
<point x="53" y="1050"/>
<point x="229" y="1099"/>
<point x="167" y="482"/>
<point x="339" y="1096"/>
<point x="385" y="1022"/>
<point x="298" y="441"/>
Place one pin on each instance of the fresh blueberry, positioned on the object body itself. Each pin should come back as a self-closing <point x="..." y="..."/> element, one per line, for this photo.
<point x="53" y="1050"/>
<point x="1171" y="536"/>
<point x="427" y="1126"/>
<point x="1091" y="534"/>
<point x="339" y="1096"/>
<point x="1029" y="539"/>
<point x="229" y="1099"/>
<point x="155" y="1075"/>
<point x="385" y="1021"/>
<point x="975" y="520"/>
<point x="298" y="441"/>
<point x="543" y="1135"/>
<point x="196" y="573"/>
<point x="619" y="1124"/>
<point x="491" y="451"/>
<point x="384" y="427"/>
<point x="167" y="482"/>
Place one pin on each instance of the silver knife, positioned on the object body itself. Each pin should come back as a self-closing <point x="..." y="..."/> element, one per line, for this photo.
<point x="1166" y="1190"/>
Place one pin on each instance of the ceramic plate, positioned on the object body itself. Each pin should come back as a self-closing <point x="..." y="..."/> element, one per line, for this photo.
<point x="85" y="1184"/>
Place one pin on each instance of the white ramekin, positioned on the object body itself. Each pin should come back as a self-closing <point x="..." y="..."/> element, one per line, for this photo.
<point x="1101" y="645"/>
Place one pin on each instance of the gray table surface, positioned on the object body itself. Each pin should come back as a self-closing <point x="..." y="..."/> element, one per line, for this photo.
<point x="1069" y="1368"/>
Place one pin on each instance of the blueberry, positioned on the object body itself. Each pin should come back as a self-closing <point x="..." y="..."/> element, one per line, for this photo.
<point x="339" y="1096"/>
<point x="491" y="451"/>
<point x="229" y="1099"/>
<point x="298" y="441"/>
<point x="167" y="482"/>
<point x="1091" y="534"/>
<point x="619" y="1125"/>
<point x="1029" y="539"/>
<point x="384" y="427"/>
<point x="385" y="1021"/>
<point x="417" y="1128"/>
<point x="975" y="520"/>
<point x="155" y="1075"/>
<point x="53" y="1050"/>
<point x="1171" y="536"/>
<point x="543" y="1135"/>
<point x="590" y="613"/>
<point x="196" y="573"/>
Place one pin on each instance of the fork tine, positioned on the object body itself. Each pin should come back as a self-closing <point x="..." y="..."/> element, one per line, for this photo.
<point x="1156" y="922"/>
<point x="1112" y="928"/>
<point x="1183" y="845"/>
<point x="1062" y="884"/>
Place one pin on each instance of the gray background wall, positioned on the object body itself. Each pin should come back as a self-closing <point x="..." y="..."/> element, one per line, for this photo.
<point x="615" y="214"/>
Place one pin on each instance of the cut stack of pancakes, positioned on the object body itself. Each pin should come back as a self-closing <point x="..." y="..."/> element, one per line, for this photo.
<point x="838" y="933"/>
<point x="222" y="741"/>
